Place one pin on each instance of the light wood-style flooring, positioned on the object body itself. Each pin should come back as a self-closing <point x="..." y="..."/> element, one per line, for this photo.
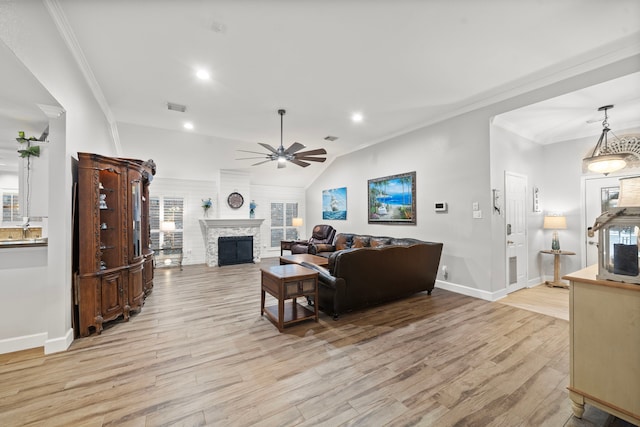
<point x="199" y="353"/>
<point x="541" y="299"/>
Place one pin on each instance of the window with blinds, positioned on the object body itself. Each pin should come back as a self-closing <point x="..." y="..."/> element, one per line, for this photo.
<point x="166" y="219"/>
<point x="10" y="207"/>
<point x="281" y="218"/>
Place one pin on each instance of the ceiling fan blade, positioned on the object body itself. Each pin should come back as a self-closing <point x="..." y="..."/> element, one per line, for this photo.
<point x="296" y="146"/>
<point x="311" y="152"/>
<point x="254" y="152"/>
<point x="268" y="147"/>
<point x="248" y="158"/>
<point x="299" y="163"/>
<point x="312" y="159"/>
<point x="259" y="163"/>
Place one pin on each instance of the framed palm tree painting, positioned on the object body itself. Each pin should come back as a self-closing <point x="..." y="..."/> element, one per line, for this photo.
<point x="392" y="199"/>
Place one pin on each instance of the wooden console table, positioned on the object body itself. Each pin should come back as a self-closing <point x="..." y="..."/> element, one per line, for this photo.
<point x="604" y="345"/>
<point x="556" y="268"/>
<point x="286" y="282"/>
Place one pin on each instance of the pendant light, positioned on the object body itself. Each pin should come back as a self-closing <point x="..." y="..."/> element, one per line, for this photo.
<point x="603" y="159"/>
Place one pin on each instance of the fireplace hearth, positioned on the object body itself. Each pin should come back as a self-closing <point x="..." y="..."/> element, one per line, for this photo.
<point x="235" y="250"/>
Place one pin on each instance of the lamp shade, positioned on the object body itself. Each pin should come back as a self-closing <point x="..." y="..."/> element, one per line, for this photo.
<point x="296" y="222"/>
<point x="606" y="164"/>
<point x="168" y="226"/>
<point x="558" y="222"/>
<point x="629" y="192"/>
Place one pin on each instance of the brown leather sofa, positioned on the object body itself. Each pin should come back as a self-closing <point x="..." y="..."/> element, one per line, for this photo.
<point x="369" y="270"/>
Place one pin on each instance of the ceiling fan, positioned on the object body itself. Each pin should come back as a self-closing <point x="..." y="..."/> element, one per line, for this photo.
<point x="291" y="154"/>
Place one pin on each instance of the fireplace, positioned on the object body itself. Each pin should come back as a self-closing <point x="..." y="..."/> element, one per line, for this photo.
<point x="213" y="229"/>
<point x="235" y="250"/>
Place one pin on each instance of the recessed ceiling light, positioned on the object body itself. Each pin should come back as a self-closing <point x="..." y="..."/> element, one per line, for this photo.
<point x="357" y="117"/>
<point x="203" y="75"/>
<point x="188" y="125"/>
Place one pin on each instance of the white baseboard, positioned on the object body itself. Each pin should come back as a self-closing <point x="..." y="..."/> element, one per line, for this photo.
<point x="471" y="292"/>
<point x="57" y="345"/>
<point x="25" y="342"/>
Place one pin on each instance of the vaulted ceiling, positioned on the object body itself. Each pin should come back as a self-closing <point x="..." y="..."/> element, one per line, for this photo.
<point x="402" y="64"/>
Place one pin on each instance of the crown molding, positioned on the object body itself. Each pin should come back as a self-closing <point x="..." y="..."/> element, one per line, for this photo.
<point x="602" y="56"/>
<point x="62" y="24"/>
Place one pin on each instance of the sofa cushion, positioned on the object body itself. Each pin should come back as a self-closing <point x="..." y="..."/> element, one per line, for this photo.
<point x="342" y="242"/>
<point x="360" y="242"/>
<point x="376" y="242"/>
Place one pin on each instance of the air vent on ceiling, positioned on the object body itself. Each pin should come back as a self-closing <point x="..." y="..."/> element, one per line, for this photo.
<point x="176" y="107"/>
<point x="330" y="138"/>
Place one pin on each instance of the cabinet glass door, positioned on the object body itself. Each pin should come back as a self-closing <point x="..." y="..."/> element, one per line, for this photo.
<point x="136" y="211"/>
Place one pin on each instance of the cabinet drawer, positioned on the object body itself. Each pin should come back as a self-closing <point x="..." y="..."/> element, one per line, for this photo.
<point x="299" y="288"/>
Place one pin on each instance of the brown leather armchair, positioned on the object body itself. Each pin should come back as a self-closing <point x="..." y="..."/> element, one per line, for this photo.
<point x="321" y="238"/>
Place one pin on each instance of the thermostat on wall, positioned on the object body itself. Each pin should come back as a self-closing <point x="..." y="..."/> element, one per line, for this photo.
<point x="441" y="206"/>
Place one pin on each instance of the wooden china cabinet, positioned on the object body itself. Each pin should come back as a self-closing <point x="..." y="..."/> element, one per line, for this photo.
<point x="115" y="262"/>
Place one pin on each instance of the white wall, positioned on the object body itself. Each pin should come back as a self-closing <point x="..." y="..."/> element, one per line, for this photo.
<point x="28" y="30"/>
<point x="451" y="160"/>
<point x="514" y="153"/>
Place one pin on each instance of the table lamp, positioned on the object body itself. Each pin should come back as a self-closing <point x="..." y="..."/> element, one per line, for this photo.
<point x="168" y="227"/>
<point x="555" y="223"/>
<point x="296" y="222"/>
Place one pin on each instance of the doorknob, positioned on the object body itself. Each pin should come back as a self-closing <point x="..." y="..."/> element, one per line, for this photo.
<point x="591" y="242"/>
<point x="509" y="242"/>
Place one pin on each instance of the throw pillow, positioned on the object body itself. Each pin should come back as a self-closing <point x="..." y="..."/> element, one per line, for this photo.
<point x="360" y="242"/>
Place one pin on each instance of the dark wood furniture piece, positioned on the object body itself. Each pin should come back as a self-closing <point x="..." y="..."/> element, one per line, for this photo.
<point x="288" y="282"/>
<point x="115" y="265"/>
<point x="285" y="245"/>
<point x="300" y="258"/>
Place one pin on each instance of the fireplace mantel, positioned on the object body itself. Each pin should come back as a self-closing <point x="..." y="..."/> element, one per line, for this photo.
<point x="231" y="222"/>
<point x="214" y="228"/>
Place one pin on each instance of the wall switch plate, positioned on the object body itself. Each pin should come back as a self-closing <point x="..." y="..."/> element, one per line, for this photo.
<point x="476" y="206"/>
<point x="477" y="214"/>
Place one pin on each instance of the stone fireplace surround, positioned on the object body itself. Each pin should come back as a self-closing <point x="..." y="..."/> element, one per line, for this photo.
<point x="214" y="228"/>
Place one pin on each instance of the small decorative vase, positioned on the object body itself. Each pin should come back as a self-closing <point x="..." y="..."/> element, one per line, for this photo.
<point x="252" y="214"/>
<point x="206" y="213"/>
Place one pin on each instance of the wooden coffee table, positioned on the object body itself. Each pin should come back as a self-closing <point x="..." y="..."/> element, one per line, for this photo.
<point x="286" y="282"/>
<point x="311" y="259"/>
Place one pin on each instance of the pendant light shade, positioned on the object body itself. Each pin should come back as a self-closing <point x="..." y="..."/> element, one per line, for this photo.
<point x="603" y="159"/>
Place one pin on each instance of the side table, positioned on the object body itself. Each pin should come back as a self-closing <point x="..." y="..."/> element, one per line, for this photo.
<point x="168" y="257"/>
<point x="286" y="282"/>
<point x="285" y="245"/>
<point x="556" y="268"/>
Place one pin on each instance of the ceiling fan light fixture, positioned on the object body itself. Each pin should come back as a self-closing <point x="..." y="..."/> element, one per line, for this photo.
<point x="291" y="154"/>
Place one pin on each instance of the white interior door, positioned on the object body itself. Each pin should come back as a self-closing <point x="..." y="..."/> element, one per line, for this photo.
<point x="516" y="230"/>
<point x="600" y="194"/>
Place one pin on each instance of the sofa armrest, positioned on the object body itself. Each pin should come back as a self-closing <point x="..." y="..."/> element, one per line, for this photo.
<point x="315" y="248"/>
<point x="323" y="274"/>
